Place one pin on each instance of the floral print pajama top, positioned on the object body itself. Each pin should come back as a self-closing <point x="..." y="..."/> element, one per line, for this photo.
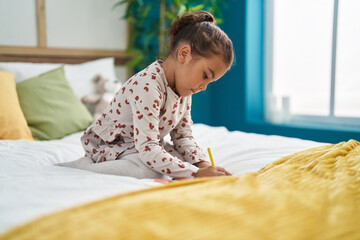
<point x="140" y="115"/>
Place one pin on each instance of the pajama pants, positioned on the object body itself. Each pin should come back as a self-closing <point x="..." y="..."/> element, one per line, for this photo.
<point x="129" y="164"/>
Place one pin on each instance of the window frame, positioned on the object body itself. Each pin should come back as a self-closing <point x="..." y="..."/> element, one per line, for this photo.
<point x="255" y="86"/>
<point x="315" y="121"/>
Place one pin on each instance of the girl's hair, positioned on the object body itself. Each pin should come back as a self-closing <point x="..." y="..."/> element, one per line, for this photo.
<point x="198" y="29"/>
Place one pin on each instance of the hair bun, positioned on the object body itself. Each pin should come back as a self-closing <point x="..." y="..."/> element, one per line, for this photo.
<point x="189" y="18"/>
<point x="204" y="38"/>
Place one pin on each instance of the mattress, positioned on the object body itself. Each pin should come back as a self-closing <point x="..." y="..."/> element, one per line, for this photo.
<point x="31" y="187"/>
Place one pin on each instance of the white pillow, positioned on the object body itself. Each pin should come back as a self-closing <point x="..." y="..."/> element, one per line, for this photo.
<point x="79" y="75"/>
<point x="22" y="70"/>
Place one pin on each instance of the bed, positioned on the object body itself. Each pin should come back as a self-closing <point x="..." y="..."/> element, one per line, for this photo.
<point x="281" y="188"/>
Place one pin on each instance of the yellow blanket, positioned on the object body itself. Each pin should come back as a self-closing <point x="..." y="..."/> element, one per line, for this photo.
<point x="313" y="194"/>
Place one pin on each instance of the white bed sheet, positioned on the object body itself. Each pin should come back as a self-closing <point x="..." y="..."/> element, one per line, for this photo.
<point x="30" y="186"/>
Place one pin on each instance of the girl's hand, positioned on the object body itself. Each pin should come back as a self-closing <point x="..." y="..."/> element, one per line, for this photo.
<point x="202" y="164"/>
<point x="212" y="171"/>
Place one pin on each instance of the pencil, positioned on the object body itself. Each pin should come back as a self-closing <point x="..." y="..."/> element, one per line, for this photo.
<point x="211" y="158"/>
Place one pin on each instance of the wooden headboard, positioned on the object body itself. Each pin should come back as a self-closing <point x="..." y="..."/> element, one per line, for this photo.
<point x="43" y="54"/>
<point x="58" y="55"/>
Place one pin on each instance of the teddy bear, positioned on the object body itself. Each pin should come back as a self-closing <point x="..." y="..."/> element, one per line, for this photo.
<point x="106" y="90"/>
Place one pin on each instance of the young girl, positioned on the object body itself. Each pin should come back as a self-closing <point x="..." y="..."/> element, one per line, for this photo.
<point x="156" y="102"/>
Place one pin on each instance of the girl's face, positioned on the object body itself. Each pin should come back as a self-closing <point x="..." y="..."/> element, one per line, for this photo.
<point x="193" y="75"/>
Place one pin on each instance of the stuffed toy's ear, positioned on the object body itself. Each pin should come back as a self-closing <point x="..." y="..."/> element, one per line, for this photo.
<point x="97" y="78"/>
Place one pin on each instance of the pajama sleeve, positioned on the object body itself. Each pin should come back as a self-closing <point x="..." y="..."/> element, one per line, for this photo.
<point x="145" y="100"/>
<point x="184" y="141"/>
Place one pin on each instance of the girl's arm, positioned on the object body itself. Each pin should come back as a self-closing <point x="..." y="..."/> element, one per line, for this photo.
<point x="144" y="98"/>
<point x="185" y="144"/>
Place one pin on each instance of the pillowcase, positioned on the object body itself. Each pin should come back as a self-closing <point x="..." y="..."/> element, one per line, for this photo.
<point x="79" y="76"/>
<point x="50" y="106"/>
<point x="12" y="121"/>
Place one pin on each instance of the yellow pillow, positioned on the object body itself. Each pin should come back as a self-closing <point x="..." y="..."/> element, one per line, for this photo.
<point x="13" y="124"/>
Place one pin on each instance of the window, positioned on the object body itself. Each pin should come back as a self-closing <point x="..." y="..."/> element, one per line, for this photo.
<point x="312" y="62"/>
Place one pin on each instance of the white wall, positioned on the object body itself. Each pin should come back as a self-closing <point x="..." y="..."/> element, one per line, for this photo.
<point x="80" y="24"/>
<point x="18" y="23"/>
<point x="90" y="24"/>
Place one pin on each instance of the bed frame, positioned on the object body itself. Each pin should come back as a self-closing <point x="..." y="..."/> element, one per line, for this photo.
<point x="58" y="55"/>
